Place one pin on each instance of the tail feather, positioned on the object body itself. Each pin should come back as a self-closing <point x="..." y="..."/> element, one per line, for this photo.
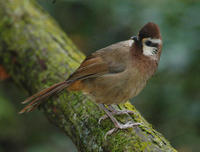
<point x="36" y="99"/>
<point x="42" y="92"/>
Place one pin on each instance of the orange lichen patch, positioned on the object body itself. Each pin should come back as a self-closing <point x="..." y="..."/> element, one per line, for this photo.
<point x="3" y="74"/>
<point x="55" y="110"/>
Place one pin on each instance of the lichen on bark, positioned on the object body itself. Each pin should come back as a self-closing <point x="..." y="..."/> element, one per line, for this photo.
<point x="37" y="53"/>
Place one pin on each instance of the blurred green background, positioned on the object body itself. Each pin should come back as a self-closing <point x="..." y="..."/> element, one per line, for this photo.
<point x="171" y="100"/>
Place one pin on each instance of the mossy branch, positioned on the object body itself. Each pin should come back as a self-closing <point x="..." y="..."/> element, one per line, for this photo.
<point x="37" y="54"/>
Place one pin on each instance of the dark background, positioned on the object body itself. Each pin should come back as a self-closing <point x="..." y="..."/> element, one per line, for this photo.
<point x="171" y="100"/>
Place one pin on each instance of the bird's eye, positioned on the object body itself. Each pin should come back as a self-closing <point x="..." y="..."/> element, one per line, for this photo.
<point x="148" y="43"/>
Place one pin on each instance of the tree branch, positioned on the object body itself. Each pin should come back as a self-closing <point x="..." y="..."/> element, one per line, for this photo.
<point x="37" y="54"/>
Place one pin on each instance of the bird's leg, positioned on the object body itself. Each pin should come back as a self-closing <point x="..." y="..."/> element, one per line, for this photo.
<point x="117" y="124"/>
<point x="115" y="112"/>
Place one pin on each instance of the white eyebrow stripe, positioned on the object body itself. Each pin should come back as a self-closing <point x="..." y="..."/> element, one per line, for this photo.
<point x="158" y="41"/>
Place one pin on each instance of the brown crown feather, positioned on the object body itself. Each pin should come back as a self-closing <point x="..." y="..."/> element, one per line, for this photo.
<point x="149" y="30"/>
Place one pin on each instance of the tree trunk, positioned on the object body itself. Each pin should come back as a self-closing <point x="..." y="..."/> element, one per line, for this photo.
<point x="37" y="54"/>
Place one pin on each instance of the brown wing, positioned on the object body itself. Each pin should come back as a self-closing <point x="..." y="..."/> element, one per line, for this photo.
<point x="92" y="66"/>
<point x="112" y="59"/>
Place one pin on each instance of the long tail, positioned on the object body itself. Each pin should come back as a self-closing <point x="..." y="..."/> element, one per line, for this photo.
<point x="36" y="99"/>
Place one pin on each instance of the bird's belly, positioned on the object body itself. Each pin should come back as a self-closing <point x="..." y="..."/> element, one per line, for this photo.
<point x="114" y="88"/>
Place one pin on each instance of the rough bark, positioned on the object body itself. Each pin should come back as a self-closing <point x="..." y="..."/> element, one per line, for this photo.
<point x="37" y="54"/>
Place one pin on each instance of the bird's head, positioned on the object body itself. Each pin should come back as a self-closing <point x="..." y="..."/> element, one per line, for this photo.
<point x="149" y="41"/>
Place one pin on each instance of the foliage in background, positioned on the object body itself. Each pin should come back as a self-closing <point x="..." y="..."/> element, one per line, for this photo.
<point x="171" y="100"/>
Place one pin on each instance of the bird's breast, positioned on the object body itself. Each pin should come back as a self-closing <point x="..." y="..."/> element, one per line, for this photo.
<point x="115" y="88"/>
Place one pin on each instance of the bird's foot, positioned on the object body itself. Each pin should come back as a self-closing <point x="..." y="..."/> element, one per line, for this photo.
<point x="115" y="112"/>
<point x="117" y="124"/>
<point x="121" y="126"/>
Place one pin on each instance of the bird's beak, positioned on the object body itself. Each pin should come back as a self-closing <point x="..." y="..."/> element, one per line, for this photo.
<point x="135" y="38"/>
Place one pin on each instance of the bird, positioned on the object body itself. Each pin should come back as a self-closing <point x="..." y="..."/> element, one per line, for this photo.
<point x="112" y="75"/>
